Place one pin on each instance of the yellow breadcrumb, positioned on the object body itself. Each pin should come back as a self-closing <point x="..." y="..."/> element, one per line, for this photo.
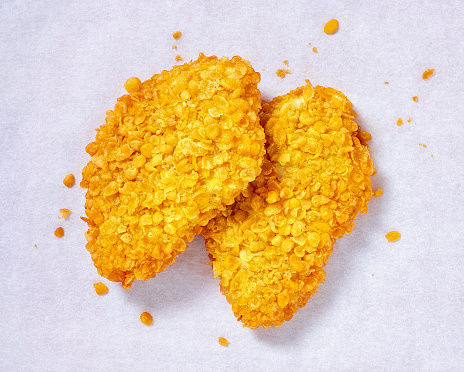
<point x="59" y="232"/>
<point x="399" y="122"/>
<point x="365" y="136"/>
<point x="282" y="72"/>
<point x="100" y="288"/>
<point x="174" y="46"/>
<point x="415" y="98"/>
<point x="177" y="35"/>
<point x="286" y="62"/>
<point x="268" y="249"/>
<point x="64" y="212"/>
<point x="69" y="180"/>
<point x="409" y="119"/>
<point x="146" y="318"/>
<point x="223" y="341"/>
<point x="179" y="58"/>
<point x="378" y="192"/>
<point x="427" y="73"/>
<point x="331" y="26"/>
<point x="170" y="156"/>
<point x="132" y="85"/>
<point x="314" y="49"/>
<point x="393" y="235"/>
<point x="423" y="145"/>
<point x="387" y="83"/>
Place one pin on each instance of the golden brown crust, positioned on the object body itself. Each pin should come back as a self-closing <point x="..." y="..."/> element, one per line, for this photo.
<point x="176" y="150"/>
<point x="270" y="246"/>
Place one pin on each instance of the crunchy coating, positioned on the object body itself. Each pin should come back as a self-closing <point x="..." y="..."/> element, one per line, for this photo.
<point x="269" y="248"/>
<point x="171" y="155"/>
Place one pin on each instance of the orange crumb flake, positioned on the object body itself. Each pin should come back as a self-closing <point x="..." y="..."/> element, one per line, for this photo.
<point x="378" y="192"/>
<point x="415" y="99"/>
<point x="69" y="180"/>
<point x="427" y="73"/>
<point x="393" y="236"/>
<point x="64" y="212"/>
<point x="146" y="318"/>
<point x="35" y="245"/>
<point x="309" y="43"/>
<point x="282" y="72"/>
<point x="59" y="232"/>
<point x="365" y="136"/>
<point x="409" y="119"/>
<point x="174" y="46"/>
<point x="223" y="341"/>
<point x="263" y="69"/>
<point x="286" y="62"/>
<point x="423" y="145"/>
<point x="132" y="85"/>
<point x="179" y="58"/>
<point x="307" y="81"/>
<point x="387" y="82"/>
<point x="177" y="35"/>
<point x="331" y="26"/>
<point x="314" y="49"/>
<point x="100" y="288"/>
<point x="399" y="122"/>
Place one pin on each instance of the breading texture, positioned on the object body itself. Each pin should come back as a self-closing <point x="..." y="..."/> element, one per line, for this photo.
<point x="172" y="154"/>
<point x="268" y="249"/>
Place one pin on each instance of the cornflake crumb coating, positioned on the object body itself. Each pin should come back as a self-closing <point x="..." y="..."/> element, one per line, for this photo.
<point x="269" y="248"/>
<point x="171" y="155"/>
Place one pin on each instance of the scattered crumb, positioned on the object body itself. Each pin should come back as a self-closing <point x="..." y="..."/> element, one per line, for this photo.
<point x="177" y="35"/>
<point x="263" y="69"/>
<point x="409" y="119"/>
<point x="85" y="219"/>
<point x="393" y="236"/>
<point x="365" y="136"/>
<point x="415" y="99"/>
<point x="100" y="288"/>
<point x="69" y="180"/>
<point x="372" y="274"/>
<point x="387" y="82"/>
<point x="174" y="46"/>
<point x="331" y="26"/>
<point x="35" y="245"/>
<point x="282" y="72"/>
<point x="179" y="58"/>
<point x="309" y="43"/>
<point x="286" y="62"/>
<point x="132" y="85"/>
<point x="64" y="212"/>
<point x="399" y="122"/>
<point x="314" y="49"/>
<point x="223" y="341"/>
<point x="307" y="81"/>
<point x="146" y="318"/>
<point x="431" y="156"/>
<point x="378" y="192"/>
<point x="427" y="73"/>
<point x="59" y="232"/>
<point x="423" y="145"/>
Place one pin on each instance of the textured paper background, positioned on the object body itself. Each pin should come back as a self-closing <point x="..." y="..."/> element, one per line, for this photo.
<point x="384" y="306"/>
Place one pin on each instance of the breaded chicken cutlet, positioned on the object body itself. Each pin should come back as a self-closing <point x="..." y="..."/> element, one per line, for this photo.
<point x="173" y="153"/>
<point x="269" y="248"/>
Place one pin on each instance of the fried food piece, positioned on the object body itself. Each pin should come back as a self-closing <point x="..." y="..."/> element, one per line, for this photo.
<point x="171" y="155"/>
<point x="146" y="318"/>
<point x="269" y="248"/>
<point x="100" y="288"/>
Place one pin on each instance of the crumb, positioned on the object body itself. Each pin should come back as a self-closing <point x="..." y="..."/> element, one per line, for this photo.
<point x="59" y="232"/>
<point x="132" y="85"/>
<point x="309" y="43"/>
<point x="174" y="46"/>
<point x="415" y="99"/>
<point x="427" y="73"/>
<point x="399" y="122"/>
<point x="307" y="81"/>
<point x="331" y="26"/>
<point x="387" y="82"/>
<point x="177" y="35"/>
<point x="69" y="180"/>
<point x="372" y="274"/>
<point x="423" y="145"/>
<point x="282" y="72"/>
<point x="263" y="69"/>
<point x="365" y="136"/>
<point x="378" y="192"/>
<point x="315" y="50"/>
<point x="409" y="119"/>
<point x="179" y="58"/>
<point x="393" y="236"/>
<point x="146" y="318"/>
<point x="35" y="245"/>
<point x="431" y="156"/>
<point x="64" y="212"/>
<point x="223" y="341"/>
<point x="100" y="288"/>
<point x="286" y="62"/>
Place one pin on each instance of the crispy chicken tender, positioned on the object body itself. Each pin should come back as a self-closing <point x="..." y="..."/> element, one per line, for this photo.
<point x="173" y="153"/>
<point x="269" y="248"/>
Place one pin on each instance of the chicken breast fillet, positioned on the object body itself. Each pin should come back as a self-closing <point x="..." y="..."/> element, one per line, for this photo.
<point x="173" y="153"/>
<point x="269" y="248"/>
